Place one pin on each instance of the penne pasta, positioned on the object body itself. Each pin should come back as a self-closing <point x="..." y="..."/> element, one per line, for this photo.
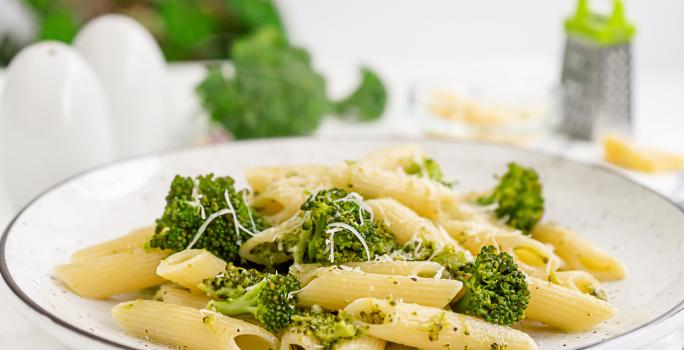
<point x="434" y="328"/>
<point x="565" y="308"/>
<point x="580" y="281"/>
<point x="406" y="224"/>
<point x="135" y="239"/>
<point x="334" y="288"/>
<point x="394" y="157"/>
<point x="291" y="339"/>
<point x="362" y="343"/>
<point x="401" y="268"/>
<point x="175" y="294"/>
<point x="283" y="198"/>
<point x="189" y="328"/>
<point x="270" y="240"/>
<point x="188" y="268"/>
<point x="261" y="178"/>
<point x="103" y="276"/>
<point x="307" y="272"/>
<point x="427" y="198"/>
<point x="533" y="257"/>
<point x="579" y="253"/>
<point x="395" y="346"/>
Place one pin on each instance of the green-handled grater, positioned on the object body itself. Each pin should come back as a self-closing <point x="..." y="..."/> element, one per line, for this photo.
<point x="596" y="76"/>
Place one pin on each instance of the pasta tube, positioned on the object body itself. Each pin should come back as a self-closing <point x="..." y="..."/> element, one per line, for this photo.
<point x="283" y="198"/>
<point x="188" y="268"/>
<point x="103" y="276"/>
<point x="270" y="240"/>
<point x="406" y="224"/>
<point x="534" y="258"/>
<point x="579" y="253"/>
<point x="334" y="288"/>
<point x="190" y="328"/>
<point x="135" y="239"/>
<point x="394" y="157"/>
<point x="175" y="294"/>
<point x="565" y="308"/>
<point x="580" y="281"/>
<point x="434" y="328"/>
<point x="401" y="268"/>
<point x="261" y="178"/>
<point x="427" y="198"/>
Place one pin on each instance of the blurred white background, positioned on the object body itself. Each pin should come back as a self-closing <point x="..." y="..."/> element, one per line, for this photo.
<point x="510" y="42"/>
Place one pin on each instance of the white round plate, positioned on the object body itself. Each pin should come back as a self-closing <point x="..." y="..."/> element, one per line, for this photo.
<point x="641" y="227"/>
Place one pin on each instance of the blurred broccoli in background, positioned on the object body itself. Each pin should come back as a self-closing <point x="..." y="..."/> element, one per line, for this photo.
<point x="367" y="102"/>
<point x="185" y="29"/>
<point x="275" y="91"/>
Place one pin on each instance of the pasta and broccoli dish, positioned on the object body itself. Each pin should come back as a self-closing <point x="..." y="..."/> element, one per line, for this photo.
<point x="382" y="252"/>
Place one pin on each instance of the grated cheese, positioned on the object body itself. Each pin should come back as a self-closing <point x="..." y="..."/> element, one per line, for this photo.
<point x="330" y="242"/>
<point x="196" y="199"/>
<point x="249" y="212"/>
<point x="438" y="274"/>
<point x="356" y="233"/>
<point x="238" y="226"/>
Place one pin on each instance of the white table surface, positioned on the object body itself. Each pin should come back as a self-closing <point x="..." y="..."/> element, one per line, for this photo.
<point x="660" y="122"/>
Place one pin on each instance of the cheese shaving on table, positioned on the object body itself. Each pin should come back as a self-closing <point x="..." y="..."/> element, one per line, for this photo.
<point x="625" y="154"/>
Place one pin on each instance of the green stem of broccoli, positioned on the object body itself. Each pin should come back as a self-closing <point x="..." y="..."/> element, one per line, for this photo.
<point x="246" y="304"/>
<point x="463" y="304"/>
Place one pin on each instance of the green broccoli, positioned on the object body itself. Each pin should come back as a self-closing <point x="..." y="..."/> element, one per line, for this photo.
<point x="328" y="328"/>
<point x="274" y="90"/>
<point x="231" y="283"/>
<point x="268" y="297"/>
<point x="495" y="289"/>
<point x="339" y="228"/>
<point x="518" y="197"/>
<point x="451" y="259"/>
<point x="367" y="102"/>
<point x="206" y="212"/>
<point x="428" y="168"/>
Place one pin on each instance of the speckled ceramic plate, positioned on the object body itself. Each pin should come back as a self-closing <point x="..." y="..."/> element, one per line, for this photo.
<point x="642" y="228"/>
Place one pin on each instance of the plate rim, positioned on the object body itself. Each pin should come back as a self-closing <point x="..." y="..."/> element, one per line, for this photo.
<point x="39" y="310"/>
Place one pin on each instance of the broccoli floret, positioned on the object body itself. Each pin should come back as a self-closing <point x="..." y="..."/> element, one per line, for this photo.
<point x="327" y="327"/>
<point x="367" y="102"/>
<point x="495" y="289"/>
<point x="451" y="259"/>
<point x="191" y="203"/>
<point x="518" y="197"/>
<point x="275" y="90"/>
<point x="231" y="283"/>
<point x="339" y="229"/>
<point x="428" y="168"/>
<point x="270" y="300"/>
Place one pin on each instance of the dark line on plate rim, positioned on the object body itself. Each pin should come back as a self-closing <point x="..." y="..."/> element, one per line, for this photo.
<point x="7" y="277"/>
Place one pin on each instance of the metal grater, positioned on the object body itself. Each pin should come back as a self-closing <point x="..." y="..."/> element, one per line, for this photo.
<point x="596" y="75"/>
